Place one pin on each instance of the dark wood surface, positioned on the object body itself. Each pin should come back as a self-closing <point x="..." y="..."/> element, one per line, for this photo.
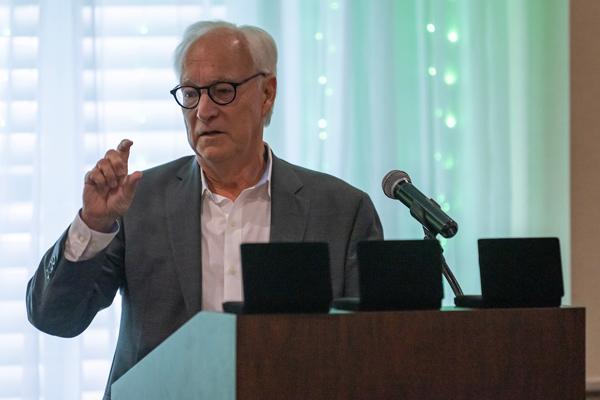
<point x="451" y="354"/>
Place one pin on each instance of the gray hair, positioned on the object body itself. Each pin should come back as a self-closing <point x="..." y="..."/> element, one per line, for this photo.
<point x="261" y="45"/>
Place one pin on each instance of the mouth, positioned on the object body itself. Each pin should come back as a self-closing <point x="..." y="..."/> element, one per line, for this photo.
<point x="211" y="133"/>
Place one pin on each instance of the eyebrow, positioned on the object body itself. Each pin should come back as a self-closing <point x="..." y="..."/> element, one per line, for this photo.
<point x="189" y="82"/>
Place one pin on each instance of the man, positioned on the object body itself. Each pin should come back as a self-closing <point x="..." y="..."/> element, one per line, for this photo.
<point x="168" y="238"/>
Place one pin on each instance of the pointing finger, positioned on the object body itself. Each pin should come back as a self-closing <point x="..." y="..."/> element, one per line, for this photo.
<point x="107" y="169"/>
<point x="118" y="161"/>
<point x="97" y="179"/>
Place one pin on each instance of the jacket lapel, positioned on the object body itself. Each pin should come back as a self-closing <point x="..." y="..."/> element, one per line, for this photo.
<point x="289" y="209"/>
<point x="183" y="206"/>
<point x="289" y="213"/>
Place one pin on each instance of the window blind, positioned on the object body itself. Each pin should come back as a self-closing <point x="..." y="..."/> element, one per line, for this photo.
<point x="73" y="83"/>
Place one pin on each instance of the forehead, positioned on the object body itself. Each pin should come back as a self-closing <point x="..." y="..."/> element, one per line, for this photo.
<point x="221" y="54"/>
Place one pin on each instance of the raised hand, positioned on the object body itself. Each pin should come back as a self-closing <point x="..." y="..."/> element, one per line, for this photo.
<point x="108" y="189"/>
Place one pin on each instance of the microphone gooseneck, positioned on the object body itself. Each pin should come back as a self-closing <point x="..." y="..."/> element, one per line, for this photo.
<point x="397" y="185"/>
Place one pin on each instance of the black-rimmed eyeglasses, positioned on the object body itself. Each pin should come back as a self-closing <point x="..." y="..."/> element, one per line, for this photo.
<point x="222" y="93"/>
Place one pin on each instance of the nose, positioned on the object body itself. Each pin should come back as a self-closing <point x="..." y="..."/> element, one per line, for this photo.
<point x="206" y="109"/>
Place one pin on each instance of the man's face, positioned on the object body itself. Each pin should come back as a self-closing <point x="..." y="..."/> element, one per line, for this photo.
<point x="233" y="132"/>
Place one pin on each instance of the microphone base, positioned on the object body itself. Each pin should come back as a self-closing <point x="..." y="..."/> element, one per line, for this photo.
<point x="469" y="301"/>
<point x="477" y="301"/>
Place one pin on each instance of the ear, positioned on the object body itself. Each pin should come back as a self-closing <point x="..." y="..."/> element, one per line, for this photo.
<point x="269" y="92"/>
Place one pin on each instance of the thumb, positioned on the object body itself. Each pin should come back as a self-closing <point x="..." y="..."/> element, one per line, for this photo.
<point x="130" y="184"/>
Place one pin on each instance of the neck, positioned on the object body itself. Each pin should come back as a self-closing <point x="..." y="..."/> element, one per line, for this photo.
<point x="230" y="179"/>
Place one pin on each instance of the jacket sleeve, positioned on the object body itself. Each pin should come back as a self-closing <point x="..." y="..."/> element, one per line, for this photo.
<point x="366" y="226"/>
<point x="63" y="296"/>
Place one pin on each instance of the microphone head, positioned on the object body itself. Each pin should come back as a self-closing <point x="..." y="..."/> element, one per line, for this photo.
<point x="391" y="179"/>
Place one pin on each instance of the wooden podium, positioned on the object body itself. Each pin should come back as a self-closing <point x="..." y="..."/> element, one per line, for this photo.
<point x="449" y="354"/>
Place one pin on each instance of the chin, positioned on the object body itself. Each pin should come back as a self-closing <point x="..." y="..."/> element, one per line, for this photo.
<point x="213" y="154"/>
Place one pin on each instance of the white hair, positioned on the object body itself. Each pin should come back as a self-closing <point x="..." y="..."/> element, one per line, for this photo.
<point x="261" y="45"/>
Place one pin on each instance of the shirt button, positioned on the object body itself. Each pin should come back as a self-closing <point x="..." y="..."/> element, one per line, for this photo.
<point x="231" y="271"/>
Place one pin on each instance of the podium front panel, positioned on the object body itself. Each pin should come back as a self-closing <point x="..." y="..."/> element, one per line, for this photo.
<point x="450" y="354"/>
<point x="195" y="362"/>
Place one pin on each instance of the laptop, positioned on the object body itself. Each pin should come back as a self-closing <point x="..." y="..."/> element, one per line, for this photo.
<point x="397" y="275"/>
<point x="518" y="272"/>
<point x="284" y="278"/>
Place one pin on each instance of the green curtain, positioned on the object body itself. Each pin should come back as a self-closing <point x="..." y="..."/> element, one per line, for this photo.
<point x="470" y="97"/>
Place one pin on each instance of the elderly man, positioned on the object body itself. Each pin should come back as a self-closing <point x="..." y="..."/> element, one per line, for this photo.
<point x="168" y="238"/>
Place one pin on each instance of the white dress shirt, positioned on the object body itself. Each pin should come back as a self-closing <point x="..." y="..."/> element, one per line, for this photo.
<point x="225" y="225"/>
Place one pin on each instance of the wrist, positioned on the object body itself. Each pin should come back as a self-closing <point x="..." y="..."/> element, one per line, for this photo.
<point x="98" y="224"/>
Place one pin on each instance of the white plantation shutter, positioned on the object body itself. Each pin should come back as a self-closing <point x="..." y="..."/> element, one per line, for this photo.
<point x="75" y="78"/>
<point x="18" y="231"/>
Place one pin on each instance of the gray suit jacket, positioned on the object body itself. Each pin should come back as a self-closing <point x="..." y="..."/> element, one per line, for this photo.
<point x="155" y="259"/>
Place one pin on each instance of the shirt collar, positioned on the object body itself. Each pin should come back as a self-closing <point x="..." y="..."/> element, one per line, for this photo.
<point x="265" y="178"/>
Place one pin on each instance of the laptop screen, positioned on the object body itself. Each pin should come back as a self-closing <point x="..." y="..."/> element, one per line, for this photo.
<point x="400" y="274"/>
<point x="286" y="277"/>
<point x="521" y="271"/>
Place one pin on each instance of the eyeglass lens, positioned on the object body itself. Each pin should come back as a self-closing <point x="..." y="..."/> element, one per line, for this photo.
<point x="220" y="93"/>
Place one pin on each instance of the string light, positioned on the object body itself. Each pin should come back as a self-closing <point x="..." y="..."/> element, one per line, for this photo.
<point x="327" y="48"/>
<point x="450" y="78"/>
<point x="452" y="36"/>
<point x="450" y="121"/>
<point x="143" y="30"/>
<point x="449" y="163"/>
<point x="442" y="157"/>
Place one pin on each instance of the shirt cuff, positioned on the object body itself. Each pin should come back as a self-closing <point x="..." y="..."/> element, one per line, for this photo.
<point x="84" y="243"/>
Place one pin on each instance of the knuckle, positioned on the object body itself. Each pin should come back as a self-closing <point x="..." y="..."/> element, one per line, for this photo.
<point x="117" y="163"/>
<point x="97" y="175"/>
<point x="115" y="158"/>
<point x="106" y="167"/>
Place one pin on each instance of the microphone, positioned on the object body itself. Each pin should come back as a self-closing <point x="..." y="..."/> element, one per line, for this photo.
<point x="397" y="185"/>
